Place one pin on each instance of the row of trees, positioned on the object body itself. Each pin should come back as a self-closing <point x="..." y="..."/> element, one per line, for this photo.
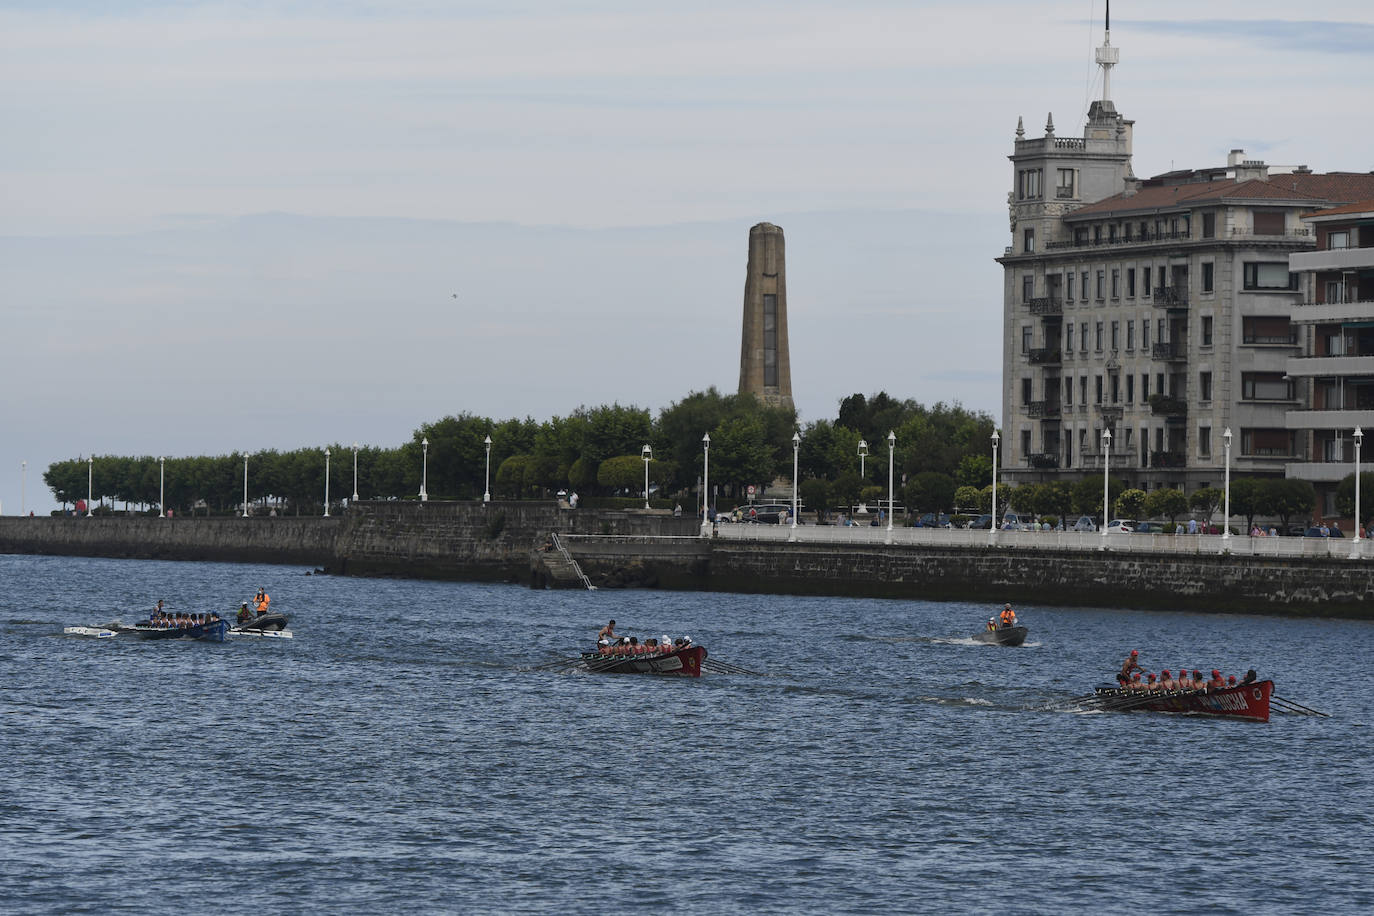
<point x="596" y="451"/>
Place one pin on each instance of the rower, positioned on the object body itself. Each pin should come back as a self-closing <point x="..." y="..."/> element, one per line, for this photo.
<point x="1184" y="681"/>
<point x="1154" y="683"/>
<point x="1166" y="680"/>
<point x="1249" y="677"/>
<point x="607" y="632"/>
<point x="1008" y="616"/>
<point x="157" y="611"/>
<point x="1132" y="663"/>
<point x="1217" y="682"/>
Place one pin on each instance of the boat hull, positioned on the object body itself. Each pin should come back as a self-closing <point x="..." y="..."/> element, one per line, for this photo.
<point x="1003" y="636"/>
<point x="1244" y="701"/>
<point x="263" y="624"/>
<point x="206" y="632"/>
<point x="682" y="663"/>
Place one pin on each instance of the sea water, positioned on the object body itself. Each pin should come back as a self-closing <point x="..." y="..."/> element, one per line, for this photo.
<point x="404" y="753"/>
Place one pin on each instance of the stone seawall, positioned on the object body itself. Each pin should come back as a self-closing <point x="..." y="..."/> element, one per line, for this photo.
<point x="307" y="541"/>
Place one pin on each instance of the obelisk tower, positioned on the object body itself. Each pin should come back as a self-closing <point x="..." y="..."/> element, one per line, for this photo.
<point x="765" y="370"/>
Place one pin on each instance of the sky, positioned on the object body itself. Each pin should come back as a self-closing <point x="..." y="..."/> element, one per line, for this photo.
<point x="240" y="225"/>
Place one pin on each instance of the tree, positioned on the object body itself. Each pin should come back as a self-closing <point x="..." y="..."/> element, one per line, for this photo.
<point x="845" y="490"/>
<point x="1245" y="498"/>
<point x="1130" y="504"/>
<point x="1087" y="494"/>
<point x="929" y="491"/>
<point x="740" y="453"/>
<point x="1345" y="495"/>
<point x="815" y="494"/>
<point x="1168" y="502"/>
<point x="1056" y="498"/>
<point x="1025" y="497"/>
<point x="1205" y="501"/>
<point x="1286" y="497"/>
<point x="966" y="498"/>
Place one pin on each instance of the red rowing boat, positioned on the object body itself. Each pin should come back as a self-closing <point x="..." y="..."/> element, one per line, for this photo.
<point x="685" y="662"/>
<point x="1244" y="701"/>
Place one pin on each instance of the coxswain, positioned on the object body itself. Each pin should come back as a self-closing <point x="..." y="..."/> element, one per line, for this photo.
<point x="607" y="632"/>
<point x="244" y="614"/>
<point x="1132" y="663"/>
<point x="1250" y="677"/>
<point x="1008" y="616"/>
<point x="157" y="611"/>
<point x="992" y="624"/>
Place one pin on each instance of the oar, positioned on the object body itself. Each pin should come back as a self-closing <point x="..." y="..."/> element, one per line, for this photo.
<point x="559" y="662"/>
<point x="726" y="668"/>
<point x="1299" y="708"/>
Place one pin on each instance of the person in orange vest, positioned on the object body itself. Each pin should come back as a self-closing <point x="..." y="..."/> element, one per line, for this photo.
<point x="1008" y="618"/>
<point x="261" y="601"/>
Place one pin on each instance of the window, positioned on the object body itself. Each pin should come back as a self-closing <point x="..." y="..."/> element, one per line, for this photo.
<point x="1144" y="387"/>
<point x="1159" y="383"/>
<point x="1159" y="277"/>
<point x="1269" y="275"/>
<point x="1209" y="225"/>
<point x="1026" y="333"/>
<point x="1068" y="392"/>
<point x="1206" y="330"/>
<point x="1063" y="189"/>
<point x="1082" y="389"/>
<point x="1116" y="389"/>
<point x="1145" y="283"/>
<point x="1266" y="442"/>
<point x="1116" y="335"/>
<point x="770" y="340"/>
<point x="1098" y="383"/>
<point x="1204" y="386"/>
<point x="1025" y="442"/>
<point x="1116" y="283"/>
<point x="1265" y="386"/>
<point x="1025" y="391"/>
<point x="1207" y="277"/>
<point x="1027" y="288"/>
<point x="1204" y="442"/>
<point x="1101" y="284"/>
<point x="1145" y="334"/>
<point x="1130" y="334"/>
<point x="1268" y="222"/>
<point x="1083" y="337"/>
<point x="1335" y="291"/>
<point x="1029" y="238"/>
<point x="1269" y="330"/>
<point x="1097" y="235"/>
<point x="1029" y="187"/>
<point x="1130" y="282"/>
<point x="1083" y="290"/>
<point x="1068" y="339"/>
<point x="1099" y="337"/>
<point x="1080" y="235"/>
<point x="1130" y="389"/>
<point x="1068" y="286"/>
<point x="1338" y="239"/>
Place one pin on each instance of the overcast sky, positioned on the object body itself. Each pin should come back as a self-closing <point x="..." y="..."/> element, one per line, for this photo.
<point x="241" y="225"/>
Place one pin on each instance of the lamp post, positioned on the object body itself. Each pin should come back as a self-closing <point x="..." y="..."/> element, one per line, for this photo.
<point x="326" y="482"/>
<point x="355" y="472"/>
<point x="891" y="445"/>
<point x="863" y="453"/>
<point x="90" y="486"/>
<point x="245" y="485"/>
<point x="424" y="469"/>
<point x="796" y="446"/>
<point x="1106" y="465"/>
<point x="1355" y="544"/>
<point x="647" y="454"/>
<point x="705" y="483"/>
<point x="486" y="494"/>
<point x="992" y="525"/>
<point x="23" y="487"/>
<point x="161" y="487"/>
<point x="1226" y="441"/>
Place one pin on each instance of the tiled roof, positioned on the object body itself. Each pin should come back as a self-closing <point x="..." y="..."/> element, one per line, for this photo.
<point x="1359" y="206"/>
<point x="1304" y="188"/>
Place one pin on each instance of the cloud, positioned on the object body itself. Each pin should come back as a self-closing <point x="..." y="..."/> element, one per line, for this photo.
<point x="1320" y="37"/>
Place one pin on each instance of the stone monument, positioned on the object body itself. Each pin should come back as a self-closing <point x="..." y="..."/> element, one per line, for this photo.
<point x="765" y="370"/>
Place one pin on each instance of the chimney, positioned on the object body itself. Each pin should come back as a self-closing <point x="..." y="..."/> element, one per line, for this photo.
<point x="1236" y="158"/>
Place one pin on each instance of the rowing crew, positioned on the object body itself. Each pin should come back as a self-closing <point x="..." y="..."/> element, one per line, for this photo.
<point x="162" y="620"/>
<point x="1185" y="681"/>
<point x="630" y="645"/>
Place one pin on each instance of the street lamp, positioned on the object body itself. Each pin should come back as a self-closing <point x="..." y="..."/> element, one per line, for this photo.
<point x="486" y="495"/>
<point x="891" y="444"/>
<point x="1106" y="465"/>
<point x="647" y="454"/>
<point x="1355" y="544"/>
<point x="161" y="487"/>
<point x="424" y="469"/>
<point x="90" y="486"/>
<point x="326" y="482"/>
<point x="355" y="472"/>
<point x="705" y="482"/>
<point x="1226" y="440"/>
<point x="863" y="453"/>
<point x="245" y="485"/>
<point x="796" y="446"/>
<point x="992" y="525"/>
<point x="23" y="487"/>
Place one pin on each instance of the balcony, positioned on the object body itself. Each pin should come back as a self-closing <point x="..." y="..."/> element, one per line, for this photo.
<point x="1332" y="312"/>
<point x="1042" y="460"/>
<point x="1328" y="419"/>
<point x="1172" y="297"/>
<point x="1168" y="460"/>
<point x="1045" y="356"/>
<point x="1165" y="406"/>
<point x="1148" y="238"/>
<point x="1118" y="460"/>
<point x="1046" y="306"/>
<point x="1110" y="414"/>
<point x="1319" y="471"/>
<point x="1173" y="352"/>
<point x="1334" y="366"/>
<point x="1042" y="410"/>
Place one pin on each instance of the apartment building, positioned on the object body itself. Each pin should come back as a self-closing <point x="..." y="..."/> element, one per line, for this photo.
<point x="1159" y="309"/>
<point x="1334" y="372"/>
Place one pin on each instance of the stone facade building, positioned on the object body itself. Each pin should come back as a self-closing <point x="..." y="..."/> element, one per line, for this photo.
<point x="1159" y="309"/>
<point x="765" y="368"/>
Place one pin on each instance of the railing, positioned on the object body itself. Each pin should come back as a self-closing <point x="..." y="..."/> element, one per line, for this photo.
<point x="1171" y="297"/>
<point x="1040" y="410"/>
<point x="1110" y="414"/>
<point x="1369" y="303"/>
<point x="1161" y="406"/>
<point x="963" y="539"/>
<point x="1168" y="459"/>
<point x="1042" y="460"/>
<point x="1290" y="340"/>
<point x="1045" y="355"/>
<point x="1250" y="233"/>
<point x="1046" y="305"/>
<point x="1169" y="351"/>
<point x="558" y="544"/>
<point x="1146" y="239"/>
<point x="1117" y="459"/>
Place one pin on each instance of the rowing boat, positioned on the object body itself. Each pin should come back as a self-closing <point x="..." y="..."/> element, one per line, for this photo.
<point x="214" y="631"/>
<point x="685" y="662"/>
<point x="1244" y="701"/>
<point x="1002" y="636"/>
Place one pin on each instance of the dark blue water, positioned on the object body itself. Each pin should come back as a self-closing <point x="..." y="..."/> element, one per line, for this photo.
<point x="400" y="755"/>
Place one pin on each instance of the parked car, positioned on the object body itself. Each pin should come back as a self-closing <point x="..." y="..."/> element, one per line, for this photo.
<point x="932" y="520"/>
<point x="1121" y="524"/>
<point x="1148" y="528"/>
<point x="1085" y="523"/>
<point x="1013" y="522"/>
<point x="983" y="521"/>
<point x="765" y="513"/>
<point x="1316" y="532"/>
